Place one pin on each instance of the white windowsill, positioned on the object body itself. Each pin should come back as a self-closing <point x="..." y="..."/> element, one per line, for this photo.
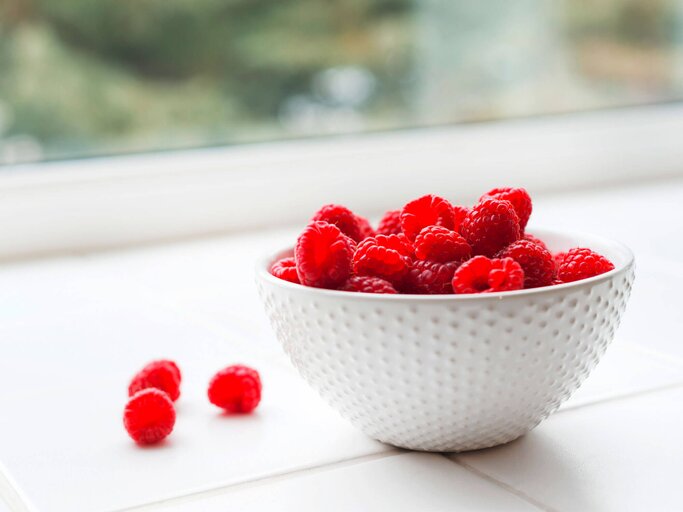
<point x="108" y="202"/>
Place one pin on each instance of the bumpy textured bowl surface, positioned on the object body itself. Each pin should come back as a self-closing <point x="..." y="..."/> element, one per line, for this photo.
<point x="450" y="372"/>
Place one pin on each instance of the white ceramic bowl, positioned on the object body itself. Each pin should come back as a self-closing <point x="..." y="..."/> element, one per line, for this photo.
<point x="450" y="372"/>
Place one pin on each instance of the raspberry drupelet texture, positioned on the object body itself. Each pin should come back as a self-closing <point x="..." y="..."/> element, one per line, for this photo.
<point x="366" y="229"/>
<point x="163" y="375"/>
<point x="390" y="223"/>
<point x="285" y="269"/>
<point x="490" y="226"/>
<point x="459" y="214"/>
<point x="535" y="239"/>
<point x="581" y="263"/>
<point x="520" y="200"/>
<point x="484" y="275"/>
<point x="236" y="389"/>
<point x="343" y="218"/>
<point x="385" y="256"/>
<point x="437" y="243"/>
<point x="368" y="284"/>
<point x="149" y="416"/>
<point x="323" y="256"/>
<point x="431" y="277"/>
<point x="174" y="368"/>
<point x="535" y="260"/>
<point x="558" y="257"/>
<point x="426" y="211"/>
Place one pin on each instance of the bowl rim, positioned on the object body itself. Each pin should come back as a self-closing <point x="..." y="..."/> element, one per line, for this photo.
<point x="264" y="262"/>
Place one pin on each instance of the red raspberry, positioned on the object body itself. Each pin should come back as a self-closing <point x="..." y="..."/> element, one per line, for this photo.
<point x="149" y="416"/>
<point x="163" y="375"/>
<point x="557" y="258"/>
<point x="518" y="197"/>
<point x="580" y="263"/>
<point x="436" y="243"/>
<point x="236" y="388"/>
<point x="390" y="223"/>
<point x="490" y="226"/>
<point x="431" y="277"/>
<point x="285" y="269"/>
<point x="384" y="256"/>
<point x="323" y="256"/>
<point x="174" y="368"/>
<point x="343" y="218"/>
<point x="459" y="212"/>
<point x="426" y="211"/>
<point x="535" y="260"/>
<point x="368" y="284"/>
<point x="482" y="275"/>
<point x="535" y="240"/>
<point x="366" y="229"/>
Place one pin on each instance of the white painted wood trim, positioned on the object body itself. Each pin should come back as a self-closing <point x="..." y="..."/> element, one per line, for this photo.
<point x="107" y="202"/>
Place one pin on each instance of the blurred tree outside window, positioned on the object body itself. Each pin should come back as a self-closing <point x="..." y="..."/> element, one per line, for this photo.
<point x="97" y="77"/>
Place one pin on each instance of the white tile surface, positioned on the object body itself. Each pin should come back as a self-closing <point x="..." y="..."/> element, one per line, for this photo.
<point x="644" y="216"/>
<point x="653" y="318"/>
<point x="73" y="330"/>
<point x="62" y="436"/>
<point x="625" y="369"/>
<point x="409" y="482"/>
<point x="210" y="281"/>
<point x="624" y="455"/>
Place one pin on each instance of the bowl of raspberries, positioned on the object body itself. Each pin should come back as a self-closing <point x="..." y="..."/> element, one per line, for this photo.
<point x="445" y="327"/>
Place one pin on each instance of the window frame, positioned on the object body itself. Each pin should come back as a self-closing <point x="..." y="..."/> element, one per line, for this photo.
<point x="101" y="203"/>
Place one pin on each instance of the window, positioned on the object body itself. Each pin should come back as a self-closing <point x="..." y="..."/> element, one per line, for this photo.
<point x="83" y="78"/>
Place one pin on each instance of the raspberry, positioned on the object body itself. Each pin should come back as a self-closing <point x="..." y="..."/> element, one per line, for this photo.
<point x="285" y="269"/>
<point x="431" y="277"/>
<point x="490" y="226"/>
<point x="518" y="197"/>
<point x="149" y="416"/>
<point x="343" y="218"/>
<point x="366" y="229"/>
<point x="535" y="240"/>
<point x="459" y="212"/>
<point x="368" y="284"/>
<point x="323" y="256"/>
<point x="426" y="211"/>
<point x="535" y="260"/>
<point x="483" y="275"/>
<point x="174" y="368"/>
<point x="436" y="243"/>
<point x="390" y="223"/>
<point x="558" y="257"/>
<point x="163" y="375"/>
<point x="580" y="263"/>
<point x="236" y="388"/>
<point x="385" y="256"/>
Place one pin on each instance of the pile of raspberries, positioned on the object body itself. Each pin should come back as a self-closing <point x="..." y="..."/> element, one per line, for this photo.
<point x="431" y="246"/>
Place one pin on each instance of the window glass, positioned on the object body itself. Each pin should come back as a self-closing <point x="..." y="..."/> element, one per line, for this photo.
<point x="91" y="77"/>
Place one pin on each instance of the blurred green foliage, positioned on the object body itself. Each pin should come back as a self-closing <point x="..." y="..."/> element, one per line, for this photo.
<point x="106" y="75"/>
<point x="81" y="77"/>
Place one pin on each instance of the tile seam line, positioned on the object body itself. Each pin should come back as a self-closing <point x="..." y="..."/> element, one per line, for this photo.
<point x="673" y="359"/>
<point x="11" y="494"/>
<point x="455" y="459"/>
<point x="258" y="481"/>
<point x="626" y="396"/>
<point x="182" y="311"/>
